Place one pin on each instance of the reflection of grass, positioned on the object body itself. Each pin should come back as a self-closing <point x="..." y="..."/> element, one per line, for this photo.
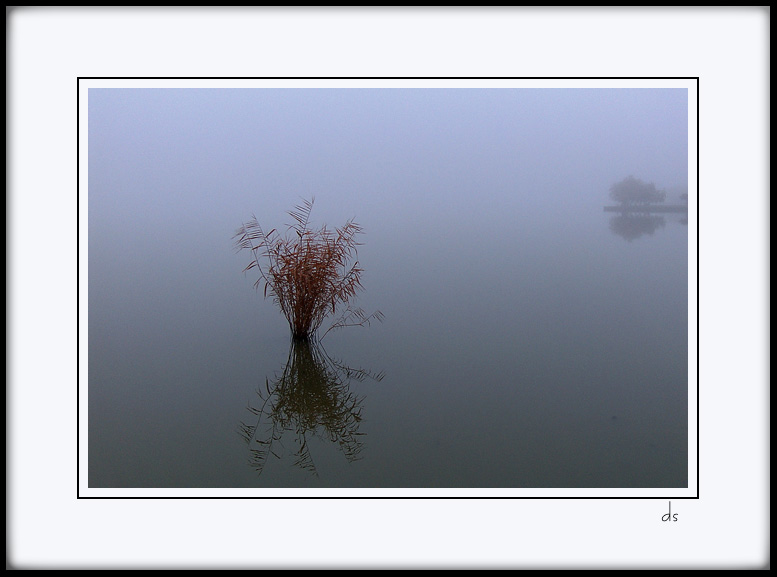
<point x="308" y="273"/>
<point x="311" y="397"/>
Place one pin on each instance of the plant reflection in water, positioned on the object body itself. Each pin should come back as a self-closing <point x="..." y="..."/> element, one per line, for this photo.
<point x="311" y="398"/>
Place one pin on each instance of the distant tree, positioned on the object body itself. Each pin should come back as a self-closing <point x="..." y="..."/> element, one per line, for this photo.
<point x="633" y="191"/>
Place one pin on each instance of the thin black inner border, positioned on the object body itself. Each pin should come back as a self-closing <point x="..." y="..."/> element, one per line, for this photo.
<point x="78" y="255"/>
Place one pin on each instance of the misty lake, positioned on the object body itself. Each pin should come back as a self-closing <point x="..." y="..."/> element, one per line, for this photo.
<point x="530" y="339"/>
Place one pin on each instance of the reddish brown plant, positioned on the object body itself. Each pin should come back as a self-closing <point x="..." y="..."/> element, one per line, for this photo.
<point x="308" y="273"/>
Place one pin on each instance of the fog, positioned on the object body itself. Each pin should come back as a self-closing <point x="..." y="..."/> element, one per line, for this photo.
<point x="530" y="338"/>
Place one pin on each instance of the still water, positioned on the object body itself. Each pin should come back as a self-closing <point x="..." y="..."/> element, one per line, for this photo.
<point x="521" y="347"/>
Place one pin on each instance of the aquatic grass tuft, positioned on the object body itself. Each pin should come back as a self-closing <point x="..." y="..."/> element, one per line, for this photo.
<point x="309" y="273"/>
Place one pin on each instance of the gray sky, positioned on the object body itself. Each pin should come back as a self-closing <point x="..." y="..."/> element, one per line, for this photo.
<point x="209" y="157"/>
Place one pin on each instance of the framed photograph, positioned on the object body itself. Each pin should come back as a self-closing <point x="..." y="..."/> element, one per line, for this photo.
<point x="466" y="288"/>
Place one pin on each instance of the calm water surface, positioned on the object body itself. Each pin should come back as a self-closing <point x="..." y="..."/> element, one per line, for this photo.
<point x="545" y="351"/>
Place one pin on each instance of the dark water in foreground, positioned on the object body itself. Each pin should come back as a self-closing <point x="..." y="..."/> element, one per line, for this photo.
<point x="547" y="350"/>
